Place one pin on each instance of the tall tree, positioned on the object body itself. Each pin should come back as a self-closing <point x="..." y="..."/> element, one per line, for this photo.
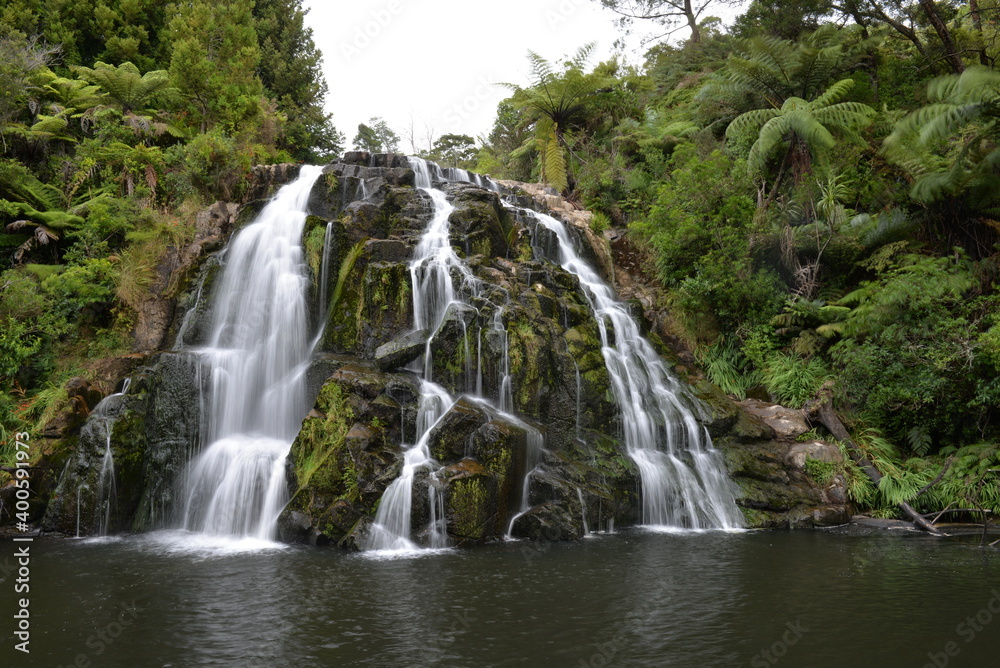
<point x="86" y="31"/>
<point x="290" y="69"/>
<point x="952" y="54"/>
<point x="214" y="60"/>
<point x="455" y="151"/>
<point x="376" y="137"/>
<point x="777" y="18"/>
<point x="673" y="15"/>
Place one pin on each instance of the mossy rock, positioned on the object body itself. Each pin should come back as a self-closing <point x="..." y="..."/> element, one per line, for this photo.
<point x="451" y="438"/>
<point x="479" y="224"/>
<point x="386" y="308"/>
<point x="471" y="508"/>
<point x="346" y="453"/>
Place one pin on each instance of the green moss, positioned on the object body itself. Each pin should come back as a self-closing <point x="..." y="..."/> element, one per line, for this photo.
<point x="527" y="354"/>
<point x="500" y="463"/>
<point x="481" y="247"/>
<point x="320" y="441"/>
<point x="387" y="287"/>
<point x="469" y="502"/>
<point x="314" y="242"/>
<point x="820" y="471"/>
<point x="347" y="303"/>
<point x="758" y="519"/>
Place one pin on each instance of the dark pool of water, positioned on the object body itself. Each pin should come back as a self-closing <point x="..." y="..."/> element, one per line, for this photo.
<point x="808" y="599"/>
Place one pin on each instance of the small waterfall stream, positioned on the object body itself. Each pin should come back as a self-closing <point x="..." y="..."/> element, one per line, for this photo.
<point x="255" y="358"/>
<point x="440" y="279"/>
<point x="683" y="479"/>
<point x="432" y="272"/>
<point x="684" y="483"/>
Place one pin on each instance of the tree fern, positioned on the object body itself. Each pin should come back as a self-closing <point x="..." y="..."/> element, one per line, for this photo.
<point x="812" y="123"/>
<point x="125" y="86"/>
<point x="556" y="102"/>
<point x="950" y="145"/>
<point x="554" y="161"/>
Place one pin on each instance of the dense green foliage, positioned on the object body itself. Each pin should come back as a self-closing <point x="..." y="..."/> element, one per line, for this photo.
<point x="818" y="191"/>
<point x="118" y="120"/>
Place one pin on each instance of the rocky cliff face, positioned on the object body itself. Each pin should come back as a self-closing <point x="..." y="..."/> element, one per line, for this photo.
<point x="529" y="317"/>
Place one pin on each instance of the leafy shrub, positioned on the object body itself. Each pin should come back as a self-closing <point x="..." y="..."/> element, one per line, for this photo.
<point x="820" y="471"/>
<point x="728" y="368"/>
<point x="793" y="380"/>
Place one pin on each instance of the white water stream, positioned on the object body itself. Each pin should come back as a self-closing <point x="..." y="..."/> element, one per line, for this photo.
<point x="256" y="357"/>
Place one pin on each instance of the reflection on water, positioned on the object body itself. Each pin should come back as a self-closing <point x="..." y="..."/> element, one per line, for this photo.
<point x="639" y="598"/>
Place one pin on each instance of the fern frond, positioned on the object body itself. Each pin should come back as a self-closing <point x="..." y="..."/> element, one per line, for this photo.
<point x="555" y="162"/>
<point x="834" y="94"/>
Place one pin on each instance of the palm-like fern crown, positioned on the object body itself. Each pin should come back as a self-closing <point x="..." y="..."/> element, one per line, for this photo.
<point x="777" y="69"/>
<point x="811" y="122"/>
<point x="125" y="86"/>
<point x="555" y="101"/>
<point x="965" y="106"/>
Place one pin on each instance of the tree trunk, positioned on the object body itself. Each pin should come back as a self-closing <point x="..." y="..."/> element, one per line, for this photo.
<point x="692" y="22"/>
<point x="944" y="34"/>
<point x="977" y="23"/>
<point x="822" y="409"/>
<point x="906" y="31"/>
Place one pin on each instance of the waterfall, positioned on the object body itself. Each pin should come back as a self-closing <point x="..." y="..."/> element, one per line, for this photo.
<point x="107" y="491"/>
<point x="433" y="272"/>
<point x="433" y="291"/>
<point x="391" y="529"/>
<point x="255" y="360"/>
<point x="683" y="477"/>
<point x="583" y="511"/>
<point x="506" y="398"/>
<point x="324" y="272"/>
<point x="534" y="444"/>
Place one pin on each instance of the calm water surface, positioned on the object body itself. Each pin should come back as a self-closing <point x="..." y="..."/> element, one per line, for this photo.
<point x="809" y="599"/>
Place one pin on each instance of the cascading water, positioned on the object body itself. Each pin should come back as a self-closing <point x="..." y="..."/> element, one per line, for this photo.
<point x="684" y="483"/>
<point x="433" y="291"/>
<point x="255" y="358"/>
<point x="534" y="444"/>
<point x="433" y="272"/>
<point x="107" y="490"/>
<point x="683" y="480"/>
<point x="506" y="388"/>
<point x="391" y="529"/>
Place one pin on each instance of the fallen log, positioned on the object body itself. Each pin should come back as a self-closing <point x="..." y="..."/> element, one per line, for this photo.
<point x="821" y="409"/>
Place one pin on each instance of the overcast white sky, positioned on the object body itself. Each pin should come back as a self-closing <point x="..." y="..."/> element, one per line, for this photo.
<point x="437" y="61"/>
